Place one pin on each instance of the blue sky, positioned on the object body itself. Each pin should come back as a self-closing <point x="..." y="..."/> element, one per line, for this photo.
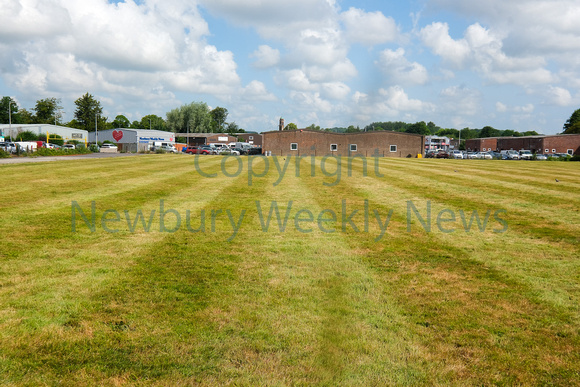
<point x="508" y="64"/>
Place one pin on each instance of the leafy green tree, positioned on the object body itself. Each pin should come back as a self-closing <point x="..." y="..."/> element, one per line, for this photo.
<point x="232" y="128"/>
<point x="4" y="115"/>
<point x="530" y="133"/>
<point x="488" y="131"/>
<point x="152" y="121"/>
<point x="120" y="122"/>
<point x="46" y="110"/>
<point x="87" y="110"/>
<point x="291" y="126"/>
<point x="193" y="118"/>
<point x="219" y="116"/>
<point x="419" y="128"/>
<point x="467" y="133"/>
<point x="23" y="117"/>
<point x="433" y="129"/>
<point x="454" y="133"/>
<point x="27" y="136"/>
<point x="572" y="126"/>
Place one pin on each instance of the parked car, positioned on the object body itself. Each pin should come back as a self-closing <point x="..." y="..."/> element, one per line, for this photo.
<point x="442" y="155"/>
<point x="240" y="151"/>
<point x="52" y="146"/>
<point x="526" y="155"/>
<point x="108" y="146"/>
<point x="483" y="156"/>
<point x="540" y="156"/>
<point x="68" y="146"/>
<point x="510" y="155"/>
<point x="9" y="147"/>
<point x="210" y="149"/>
<point x="430" y="154"/>
<point x="456" y="154"/>
<point x="255" y="151"/>
<point x="193" y="150"/>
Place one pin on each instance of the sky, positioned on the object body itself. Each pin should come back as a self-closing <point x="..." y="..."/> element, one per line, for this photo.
<point x="507" y="64"/>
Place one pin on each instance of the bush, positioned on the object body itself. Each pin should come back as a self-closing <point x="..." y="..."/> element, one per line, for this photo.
<point x="27" y="136"/>
<point x="4" y="154"/>
<point x="575" y="158"/>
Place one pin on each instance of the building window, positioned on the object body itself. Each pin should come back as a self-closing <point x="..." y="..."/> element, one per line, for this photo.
<point x="393" y="148"/>
<point x="353" y="147"/>
<point x="547" y="151"/>
<point x="251" y="137"/>
<point x="570" y="152"/>
<point x="294" y="146"/>
<point x="333" y="147"/>
<point x="553" y="150"/>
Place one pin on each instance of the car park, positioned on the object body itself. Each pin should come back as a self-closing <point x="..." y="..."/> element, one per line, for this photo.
<point x="442" y="155"/>
<point x="68" y="146"/>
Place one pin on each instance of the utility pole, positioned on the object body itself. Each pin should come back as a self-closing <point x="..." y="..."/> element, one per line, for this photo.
<point x="10" y="118"/>
<point x="96" y="130"/>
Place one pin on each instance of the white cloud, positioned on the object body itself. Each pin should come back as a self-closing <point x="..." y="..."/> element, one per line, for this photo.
<point x="482" y="50"/>
<point x="266" y="56"/>
<point x="369" y="28"/>
<point x="399" y="70"/>
<point x="436" y="37"/>
<point x="560" y="96"/>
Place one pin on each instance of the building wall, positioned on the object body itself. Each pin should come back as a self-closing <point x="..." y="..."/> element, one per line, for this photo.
<point x="66" y="133"/>
<point x="537" y="144"/>
<point x="319" y="143"/>
<point x="253" y="138"/>
<point x="478" y="144"/>
<point x="562" y="143"/>
<point x="533" y="144"/>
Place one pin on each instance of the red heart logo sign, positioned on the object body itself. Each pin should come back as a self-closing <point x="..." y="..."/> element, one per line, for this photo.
<point x="117" y="135"/>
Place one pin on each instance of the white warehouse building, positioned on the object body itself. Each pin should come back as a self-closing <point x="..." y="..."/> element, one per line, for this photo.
<point x="66" y="133"/>
<point x="133" y="140"/>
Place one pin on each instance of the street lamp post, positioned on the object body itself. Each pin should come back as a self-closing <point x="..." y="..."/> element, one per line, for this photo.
<point x="96" y="130"/>
<point x="10" y="118"/>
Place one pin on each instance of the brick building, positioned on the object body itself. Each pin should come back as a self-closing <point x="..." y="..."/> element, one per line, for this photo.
<point x="312" y="142"/>
<point x="198" y="139"/>
<point x="481" y="144"/>
<point x="252" y="138"/>
<point x="561" y="143"/>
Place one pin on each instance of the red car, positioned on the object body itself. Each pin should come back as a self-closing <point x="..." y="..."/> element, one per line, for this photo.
<point x="196" y="150"/>
<point x="442" y="155"/>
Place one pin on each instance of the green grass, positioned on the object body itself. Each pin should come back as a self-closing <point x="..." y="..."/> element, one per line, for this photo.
<point x="289" y="307"/>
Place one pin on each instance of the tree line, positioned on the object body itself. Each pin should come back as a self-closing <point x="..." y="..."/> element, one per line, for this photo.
<point x="195" y="117"/>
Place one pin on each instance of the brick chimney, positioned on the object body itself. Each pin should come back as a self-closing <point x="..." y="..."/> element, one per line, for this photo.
<point x="281" y="127"/>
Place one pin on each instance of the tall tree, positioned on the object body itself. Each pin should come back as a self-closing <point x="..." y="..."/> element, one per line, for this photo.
<point x="152" y="121"/>
<point x="120" y="122"/>
<point x="219" y="116"/>
<point x="88" y="108"/>
<point x="488" y="131"/>
<point x="572" y="126"/>
<point x="5" y="103"/>
<point x="193" y="118"/>
<point x="419" y="128"/>
<point x="46" y="110"/>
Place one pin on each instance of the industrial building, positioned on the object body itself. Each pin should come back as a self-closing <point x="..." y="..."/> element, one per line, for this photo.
<point x="560" y="143"/>
<point x="133" y="140"/>
<point x="67" y="134"/>
<point x="303" y="142"/>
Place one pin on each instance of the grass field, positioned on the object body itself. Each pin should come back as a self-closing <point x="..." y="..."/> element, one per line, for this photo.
<point x="357" y="284"/>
